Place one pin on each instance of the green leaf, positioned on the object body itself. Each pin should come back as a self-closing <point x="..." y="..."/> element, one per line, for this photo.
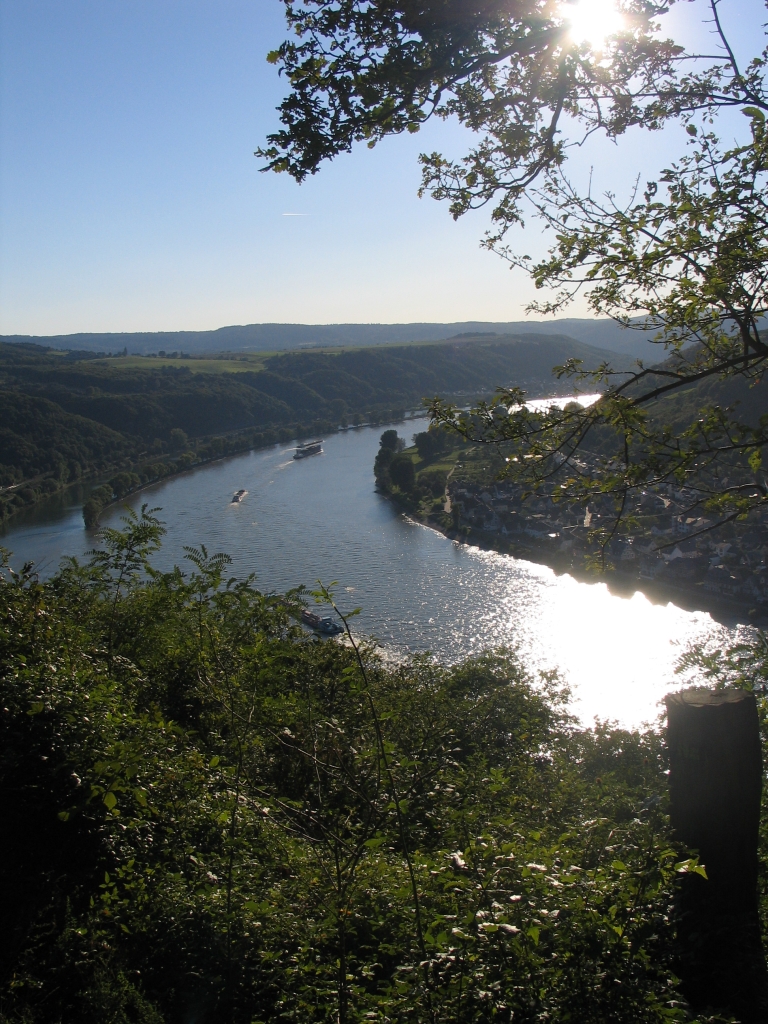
<point x="691" y="867"/>
<point x="110" y="800"/>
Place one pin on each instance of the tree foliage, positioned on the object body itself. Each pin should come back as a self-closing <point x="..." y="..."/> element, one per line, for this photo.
<point x="402" y="472"/>
<point x="431" y="443"/>
<point x="211" y="814"/>
<point x="362" y="71"/>
<point x="682" y="255"/>
<point x="390" y="440"/>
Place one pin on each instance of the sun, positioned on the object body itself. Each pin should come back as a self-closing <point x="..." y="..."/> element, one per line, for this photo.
<point x="592" y="21"/>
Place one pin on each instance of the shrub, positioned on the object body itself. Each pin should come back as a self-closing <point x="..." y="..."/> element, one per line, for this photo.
<point x="207" y="808"/>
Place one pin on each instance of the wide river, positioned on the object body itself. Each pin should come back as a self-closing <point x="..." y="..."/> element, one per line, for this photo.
<point x="320" y="518"/>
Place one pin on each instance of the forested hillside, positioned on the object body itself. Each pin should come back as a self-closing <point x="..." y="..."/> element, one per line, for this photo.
<point x="64" y="416"/>
<point x="38" y="437"/>
<point x="459" y="368"/>
<point x="67" y="416"/>
<point x="270" y="337"/>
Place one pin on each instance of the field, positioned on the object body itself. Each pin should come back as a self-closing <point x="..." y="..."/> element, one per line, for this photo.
<point x="225" y="363"/>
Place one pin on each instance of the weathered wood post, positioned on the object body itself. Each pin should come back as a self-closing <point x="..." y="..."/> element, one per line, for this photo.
<point x="715" y="781"/>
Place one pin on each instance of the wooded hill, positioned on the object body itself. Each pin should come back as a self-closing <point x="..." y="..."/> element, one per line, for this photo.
<point x="603" y="333"/>
<point x="64" y="416"/>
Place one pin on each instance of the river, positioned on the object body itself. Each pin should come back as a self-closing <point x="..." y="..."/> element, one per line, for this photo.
<point x="320" y="518"/>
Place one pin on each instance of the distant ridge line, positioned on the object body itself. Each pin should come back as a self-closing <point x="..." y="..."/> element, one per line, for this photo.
<point x="604" y="334"/>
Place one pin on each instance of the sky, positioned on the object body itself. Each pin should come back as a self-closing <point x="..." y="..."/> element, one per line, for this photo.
<point x="130" y="198"/>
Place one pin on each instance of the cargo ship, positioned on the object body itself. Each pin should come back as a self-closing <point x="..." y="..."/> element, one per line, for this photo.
<point x="326" y="625"/>
<point x="308" y="448"/>
<point x="238" y="496"/>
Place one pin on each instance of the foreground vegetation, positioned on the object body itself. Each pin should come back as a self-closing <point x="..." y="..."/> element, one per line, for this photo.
<point x="213" y="816"/>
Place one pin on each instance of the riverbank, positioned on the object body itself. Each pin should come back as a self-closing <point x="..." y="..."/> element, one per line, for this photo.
<point x="462" y="490"/>
<point x="109" y="484"/>
<point x="184" y="465"/>
<point x="692" y="597"/>
<point x="129" y="478"/>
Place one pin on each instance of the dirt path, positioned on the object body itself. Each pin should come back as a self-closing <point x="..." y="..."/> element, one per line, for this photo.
<point x="447" y="502"/>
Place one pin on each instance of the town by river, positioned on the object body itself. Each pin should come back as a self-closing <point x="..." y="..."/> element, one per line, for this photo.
<point x="320" y="518"/>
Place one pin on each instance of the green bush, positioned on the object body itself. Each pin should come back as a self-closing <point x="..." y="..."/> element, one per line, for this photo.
<point x="210" y="814"/>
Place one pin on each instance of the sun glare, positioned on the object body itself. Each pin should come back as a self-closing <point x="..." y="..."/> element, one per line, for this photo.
<point x="592" y="21"/>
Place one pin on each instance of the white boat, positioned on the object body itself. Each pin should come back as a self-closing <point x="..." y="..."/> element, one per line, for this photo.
<point x="308" y="448"/>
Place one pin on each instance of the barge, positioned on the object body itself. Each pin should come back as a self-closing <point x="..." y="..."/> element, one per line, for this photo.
<point x="308" y="448"/>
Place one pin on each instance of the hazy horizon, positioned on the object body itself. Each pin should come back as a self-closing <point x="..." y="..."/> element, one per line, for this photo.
<point x="602" y="334"/>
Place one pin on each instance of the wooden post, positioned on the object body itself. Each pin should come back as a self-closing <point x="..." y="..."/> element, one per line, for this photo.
<point x="715" y="782"/>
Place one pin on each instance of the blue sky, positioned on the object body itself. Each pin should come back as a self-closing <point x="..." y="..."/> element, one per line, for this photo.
<point x="130" y="198"/>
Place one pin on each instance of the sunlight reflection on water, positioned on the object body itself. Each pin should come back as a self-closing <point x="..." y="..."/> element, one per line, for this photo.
<point x="419" y="591"/>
